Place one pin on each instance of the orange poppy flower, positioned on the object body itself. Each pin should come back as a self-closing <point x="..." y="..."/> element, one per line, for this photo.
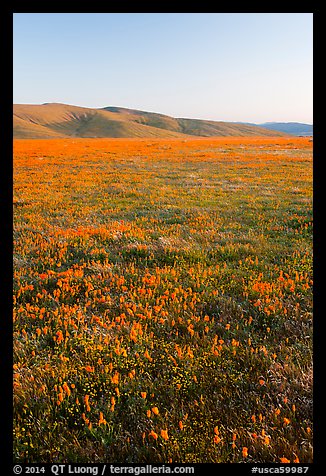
<point x="164" y="434"/>
<point x="153" y="435"/>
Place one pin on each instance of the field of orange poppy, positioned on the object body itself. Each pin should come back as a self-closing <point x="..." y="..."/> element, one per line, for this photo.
<point x="163" y="300"/>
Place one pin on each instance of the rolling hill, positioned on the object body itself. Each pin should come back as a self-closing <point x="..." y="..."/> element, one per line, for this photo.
<point x="54" y="120"/>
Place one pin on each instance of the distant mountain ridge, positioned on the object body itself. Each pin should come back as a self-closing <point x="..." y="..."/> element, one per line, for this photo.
<point x="55" y="120"/>
<point x="292" y="128"/>
<point x="295" y="128"/>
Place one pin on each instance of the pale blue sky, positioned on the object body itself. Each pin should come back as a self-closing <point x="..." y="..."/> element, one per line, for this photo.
<point x="253" y="67"/>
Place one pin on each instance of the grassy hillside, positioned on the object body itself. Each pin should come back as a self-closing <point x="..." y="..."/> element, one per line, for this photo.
<point x="196" y="127"/>
<point x="62" y="120"/>
<point x="25" y="129"/>
<point x="213" y="128"/>
<point x="153" y="119"/>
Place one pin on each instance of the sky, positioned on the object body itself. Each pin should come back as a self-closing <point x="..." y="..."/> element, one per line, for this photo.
<point x="247" y="67"/>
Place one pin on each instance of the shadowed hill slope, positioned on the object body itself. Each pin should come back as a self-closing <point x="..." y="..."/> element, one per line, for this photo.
<point x="196" y="127"/>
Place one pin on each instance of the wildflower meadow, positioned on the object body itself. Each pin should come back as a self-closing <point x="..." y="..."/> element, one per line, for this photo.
<point x="163" y="300"/>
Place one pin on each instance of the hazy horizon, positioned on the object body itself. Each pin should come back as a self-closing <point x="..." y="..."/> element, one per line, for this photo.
<point x="237" y="67"/>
